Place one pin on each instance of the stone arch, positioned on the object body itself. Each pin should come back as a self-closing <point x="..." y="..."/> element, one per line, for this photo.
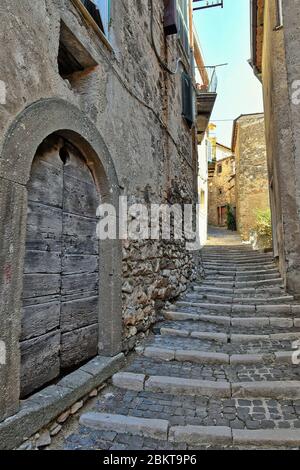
<point x="31" y="127"/>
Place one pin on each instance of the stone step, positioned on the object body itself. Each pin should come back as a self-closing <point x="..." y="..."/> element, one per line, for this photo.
<point x="183" y="316"/>
<point x="173" y="385"/>
<point x="205" y="306"/>
<point x="236" y="259"/>
<point x="260" y="322"/>
<point x="191" y="435"/>
<point x="154" y="428"/>
<point x="236" y="291"/>
<point x="226" y="284"/>
<point x="213" y="278"/>
<point x="211" y="357"/>
<point x="206" y="289"/>
<point x="197" y="435"/>
<point x="157" y="429"/>
<point x="209" y="305"/>
<point x="230" y="256"/>
<point x="206" y="336"/>
<point x="231" y="270"/>
<point x="234" y="338"/>
<point x="258" y="299"/>
<point x="237" y="262"/>
<point x="240" y="268"/>
<point x="265" y="282"/>
<point x="266" y="437"/>
<point x="279" y="390"/>
<point x="255" y="277"/>
<point x="240" y="284"/>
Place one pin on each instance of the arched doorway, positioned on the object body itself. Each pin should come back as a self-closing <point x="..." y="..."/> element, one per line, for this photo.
<point x="23" y="139"/>
<point x="61" y="270"/>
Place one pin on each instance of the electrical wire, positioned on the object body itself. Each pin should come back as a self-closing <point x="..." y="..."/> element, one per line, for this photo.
<point x="162" y="63"/>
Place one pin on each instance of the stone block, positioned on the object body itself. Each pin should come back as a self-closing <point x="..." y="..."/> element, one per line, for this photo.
<point x="201" y="357"/>
<point x="129" y="381"/>
<point x="182" y="386"/>
<point x="220" y="337"/>
<point x="13" y="210"/>
<point x="241" y="338"/>
<point x="284" y="357"/>
<point x="274" y="309"/>
<point x="160" y="353"/>
<point x="197" y="435"/>
<point x="279" y="390"/>
<point x="173" y="332"/>
<point x="246" y="359"/>
<point x="281" y="322"/>
<point x="153" y="428"/>
<point x="266" y="437"/>
<point x="43" y="407"/>
<point x="250" y="322"/>
<point x="180" y="316"/>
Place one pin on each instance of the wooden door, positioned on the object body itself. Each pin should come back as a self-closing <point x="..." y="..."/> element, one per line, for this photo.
<point x="61" y="268"/>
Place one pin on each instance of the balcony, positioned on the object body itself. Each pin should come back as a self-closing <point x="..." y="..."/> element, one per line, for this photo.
<point x="205" y="100"/>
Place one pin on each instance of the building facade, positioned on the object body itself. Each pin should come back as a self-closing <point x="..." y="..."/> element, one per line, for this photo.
<point x="93" y="107"/>
<point x="221" y="190"/>
<point x="251" y="180"/>
<point x="203" y="155"/>
<point x="276" y="62"/>
<point x="221" y="179"/>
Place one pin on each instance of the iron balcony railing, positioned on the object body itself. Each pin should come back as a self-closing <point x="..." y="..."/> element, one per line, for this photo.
<point x="212" y="86"/>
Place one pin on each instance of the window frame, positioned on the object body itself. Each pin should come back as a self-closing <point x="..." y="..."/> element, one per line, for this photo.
<point x="279" y="13"/>
<point x="105" y="12"/>
<point x="183" y="27"/>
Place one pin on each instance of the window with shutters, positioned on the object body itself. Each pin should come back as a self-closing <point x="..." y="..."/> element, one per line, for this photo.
<point x="279" y="13"/>
<point x="187" y="99"/>
<point x="100" y="12"/>
<point x="183" y="25"/>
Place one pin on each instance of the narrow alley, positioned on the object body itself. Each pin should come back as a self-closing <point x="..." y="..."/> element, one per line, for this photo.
<point x="215" y="373"/>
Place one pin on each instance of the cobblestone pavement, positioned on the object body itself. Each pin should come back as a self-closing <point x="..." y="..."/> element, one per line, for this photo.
<point x="259" y="401"/>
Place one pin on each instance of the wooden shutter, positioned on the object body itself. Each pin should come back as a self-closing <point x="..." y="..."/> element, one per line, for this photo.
<point x="170" y="17"/>
<point x="187" y="99"/>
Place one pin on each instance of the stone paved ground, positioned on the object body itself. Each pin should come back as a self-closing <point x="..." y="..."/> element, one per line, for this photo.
<point x="240" y="417"/>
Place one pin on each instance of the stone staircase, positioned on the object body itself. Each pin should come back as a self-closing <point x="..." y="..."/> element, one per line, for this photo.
<point x="217" y="372"/>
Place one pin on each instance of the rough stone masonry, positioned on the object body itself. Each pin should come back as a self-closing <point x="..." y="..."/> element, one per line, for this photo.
<point x="105" y="118"/>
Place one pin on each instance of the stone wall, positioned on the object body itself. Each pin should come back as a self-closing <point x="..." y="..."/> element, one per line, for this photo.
<point x="252" y="183"/>
<point x="136" y="108"/>
<point x="280" y="68"/>
<point x="221" y="188"/>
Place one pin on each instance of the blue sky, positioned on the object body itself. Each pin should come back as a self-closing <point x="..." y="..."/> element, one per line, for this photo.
<point x="225" y="37"/>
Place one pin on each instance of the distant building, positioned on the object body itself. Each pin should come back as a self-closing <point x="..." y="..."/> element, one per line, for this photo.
<point x="252" y="192"/>
<point x="221" y="187"/>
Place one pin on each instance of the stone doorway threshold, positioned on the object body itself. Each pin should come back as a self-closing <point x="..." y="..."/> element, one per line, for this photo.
<point x="40" y="409"/>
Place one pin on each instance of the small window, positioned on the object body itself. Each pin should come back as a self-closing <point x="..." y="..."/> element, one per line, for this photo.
<point x="279" y="13"/>
<point x="187" y="99"/>
<point x="100" y="12"/>
<point x="219" y="169"/>
<point x="72" y="55"/>
<point x="170" y="17"/>
<point x="209" y="151"/>
<point x="202" y="199"/>
<point x="220" y="191"/>
<point x="183" y="25"/>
